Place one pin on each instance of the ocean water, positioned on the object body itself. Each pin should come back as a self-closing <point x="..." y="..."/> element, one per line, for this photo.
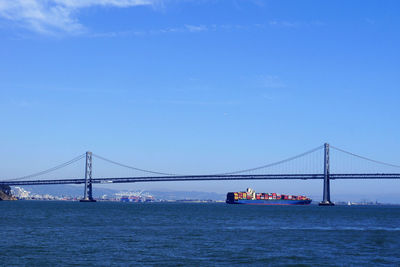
<point x="39" y="233"/>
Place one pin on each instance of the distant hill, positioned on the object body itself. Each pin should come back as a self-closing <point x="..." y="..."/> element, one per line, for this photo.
<point x="181" y="195"/>
<point x="77" y="191"/>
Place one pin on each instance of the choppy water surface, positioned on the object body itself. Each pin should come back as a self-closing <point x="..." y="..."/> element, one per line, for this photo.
<point x="125" y="234"/>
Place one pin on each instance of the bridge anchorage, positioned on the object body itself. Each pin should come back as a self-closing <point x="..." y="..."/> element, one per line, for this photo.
<point x="88" y="192"/>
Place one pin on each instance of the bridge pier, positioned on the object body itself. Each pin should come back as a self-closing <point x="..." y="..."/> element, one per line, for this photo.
<point x="327" y="191"/>
<point x="87" y="195"/>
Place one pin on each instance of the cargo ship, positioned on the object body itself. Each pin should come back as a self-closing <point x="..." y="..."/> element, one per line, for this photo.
<point x="250" y="197"/>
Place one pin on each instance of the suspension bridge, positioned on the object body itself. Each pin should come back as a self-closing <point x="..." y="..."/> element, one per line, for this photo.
<point x="311" y="165"/>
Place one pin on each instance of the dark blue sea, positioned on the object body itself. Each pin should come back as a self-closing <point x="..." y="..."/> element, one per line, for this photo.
<point x="40" y="233"/>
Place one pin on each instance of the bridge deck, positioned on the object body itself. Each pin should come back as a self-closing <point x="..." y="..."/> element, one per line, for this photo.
<point x="206" y="178"/>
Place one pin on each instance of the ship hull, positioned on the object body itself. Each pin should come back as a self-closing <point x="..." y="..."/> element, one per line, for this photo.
<point x="268" y="202"/>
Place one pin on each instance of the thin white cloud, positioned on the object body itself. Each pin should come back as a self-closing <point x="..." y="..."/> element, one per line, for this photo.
<point x="293" y="24"/>
<point x="196" y="28"/>
<point x="283" y="23"/>
<point x="169" y="30"/>
<point x="195" y="102"/>
<point x="370" y="21"/>
<point x="192" y="28"/>
<point x="55" y="16"/>
<point x="23" y="104"/>
<point x="270" y="81"/>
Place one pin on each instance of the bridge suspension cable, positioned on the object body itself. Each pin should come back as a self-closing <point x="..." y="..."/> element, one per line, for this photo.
<point x="274" y="163"/>
<point x="365" y="158"/>
<point x="131" y="167"/>
<point x="49" y="170"/>
<point x="226" y="173"/>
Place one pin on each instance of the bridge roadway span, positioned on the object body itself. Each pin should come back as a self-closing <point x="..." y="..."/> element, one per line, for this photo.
<point x="205" y="178"/>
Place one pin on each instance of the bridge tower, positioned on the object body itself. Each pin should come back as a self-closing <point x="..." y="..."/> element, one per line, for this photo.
<point x="88" y="179"/>
<point x="327" y="191"/>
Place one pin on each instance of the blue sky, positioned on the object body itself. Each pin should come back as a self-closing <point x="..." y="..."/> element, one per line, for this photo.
<point x="198" y="86"/>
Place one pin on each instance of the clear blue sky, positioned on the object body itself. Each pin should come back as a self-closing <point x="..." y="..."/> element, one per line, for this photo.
<point x="198" y="86"/>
